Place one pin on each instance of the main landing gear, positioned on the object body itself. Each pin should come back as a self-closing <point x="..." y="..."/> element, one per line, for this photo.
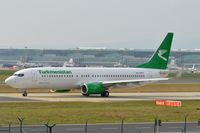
<point x="86" y="95"/>
<point x="105" y="94"/>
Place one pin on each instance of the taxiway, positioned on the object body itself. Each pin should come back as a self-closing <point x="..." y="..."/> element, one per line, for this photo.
<point x="64" y="97"/>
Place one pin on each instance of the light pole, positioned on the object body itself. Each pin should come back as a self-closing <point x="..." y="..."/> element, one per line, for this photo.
<point x="21" y="123"/>
<point x="9" y="127"/>
<point x="122" y="126"/>
<point x="185" y="123"/>
<point x="49" y="127"/>
<point x="86" y="125"/>
<point x="157" y="124"/>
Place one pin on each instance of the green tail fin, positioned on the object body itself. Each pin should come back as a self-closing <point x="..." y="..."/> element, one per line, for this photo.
<point x="160" y="57"/>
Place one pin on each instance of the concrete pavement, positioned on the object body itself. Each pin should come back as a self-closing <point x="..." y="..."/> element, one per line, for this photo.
<point x="112" y="128"/>
<point x="63" y="97"/>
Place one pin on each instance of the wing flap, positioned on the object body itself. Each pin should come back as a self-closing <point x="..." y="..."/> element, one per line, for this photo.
<point x="110" y="83"/>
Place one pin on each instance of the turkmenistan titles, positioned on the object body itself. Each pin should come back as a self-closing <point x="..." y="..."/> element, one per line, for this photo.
<point x="54" y="72"/>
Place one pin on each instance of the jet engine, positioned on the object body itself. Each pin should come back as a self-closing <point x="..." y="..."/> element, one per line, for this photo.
<point x="92" y="88"/>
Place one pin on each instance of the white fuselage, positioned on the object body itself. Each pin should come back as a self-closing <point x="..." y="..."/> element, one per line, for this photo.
<point x="73" y="77"/>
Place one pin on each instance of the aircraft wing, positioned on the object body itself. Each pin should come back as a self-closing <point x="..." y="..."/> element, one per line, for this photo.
<point x="134" y="81"/>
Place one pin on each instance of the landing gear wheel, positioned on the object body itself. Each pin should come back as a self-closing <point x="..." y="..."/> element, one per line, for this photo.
<point x="25" y="94"/>
<point x="105" y="94"/>
<point x="85" y="95"/>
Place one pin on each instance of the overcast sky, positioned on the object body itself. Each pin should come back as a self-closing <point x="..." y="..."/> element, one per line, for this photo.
<point x="62" y="24"/>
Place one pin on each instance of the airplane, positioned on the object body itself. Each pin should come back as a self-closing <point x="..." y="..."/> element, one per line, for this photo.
<point x="192" y="69"/>
<point x="94" y="80"/>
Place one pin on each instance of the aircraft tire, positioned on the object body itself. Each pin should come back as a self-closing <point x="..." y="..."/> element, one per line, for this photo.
<point x="85" y="95"/>
<point x="24" y="94"/>
<point x="105" y="94"/>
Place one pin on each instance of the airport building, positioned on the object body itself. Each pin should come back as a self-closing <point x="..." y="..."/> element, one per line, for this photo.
<point x="92" y="57"/>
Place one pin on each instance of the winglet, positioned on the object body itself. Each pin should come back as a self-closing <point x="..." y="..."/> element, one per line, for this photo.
<point x="160" y="57"/>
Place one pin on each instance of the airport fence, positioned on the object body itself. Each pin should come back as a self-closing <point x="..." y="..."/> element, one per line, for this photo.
<point x="154" y="127"/>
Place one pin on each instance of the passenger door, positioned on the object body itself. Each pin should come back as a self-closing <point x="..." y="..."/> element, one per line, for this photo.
<point x="34" y="76"/>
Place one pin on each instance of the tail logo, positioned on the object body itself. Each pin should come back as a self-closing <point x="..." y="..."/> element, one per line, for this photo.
<point x="161" y="53"/>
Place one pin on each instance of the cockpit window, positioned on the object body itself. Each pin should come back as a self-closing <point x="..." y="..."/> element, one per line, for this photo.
<point x="19" y="75"/>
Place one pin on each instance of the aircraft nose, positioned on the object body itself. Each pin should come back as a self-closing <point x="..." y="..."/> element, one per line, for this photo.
<point x="7" y="81"/>
<point x="10" y="81"/>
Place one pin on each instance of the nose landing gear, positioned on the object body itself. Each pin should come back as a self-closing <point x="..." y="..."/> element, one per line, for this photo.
<point x="24" y="94"/>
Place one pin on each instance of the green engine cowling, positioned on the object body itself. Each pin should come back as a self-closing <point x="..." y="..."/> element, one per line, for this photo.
<point x="92" y="88"/>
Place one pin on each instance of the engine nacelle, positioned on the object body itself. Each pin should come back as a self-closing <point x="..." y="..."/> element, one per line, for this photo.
<point x="92" y="88"/>
<point x="59" y="90"/>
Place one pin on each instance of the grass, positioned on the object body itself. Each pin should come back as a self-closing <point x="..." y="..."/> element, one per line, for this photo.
<point x="190" y="76"/>
<point x="111" y="112"/>
<point x="5" y="73"/>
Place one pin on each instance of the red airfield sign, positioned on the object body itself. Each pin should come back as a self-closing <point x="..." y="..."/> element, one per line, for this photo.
<point x="168" y="103"/>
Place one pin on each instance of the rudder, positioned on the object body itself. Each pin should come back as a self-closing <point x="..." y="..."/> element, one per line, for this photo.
<point x="160" y="57"/>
